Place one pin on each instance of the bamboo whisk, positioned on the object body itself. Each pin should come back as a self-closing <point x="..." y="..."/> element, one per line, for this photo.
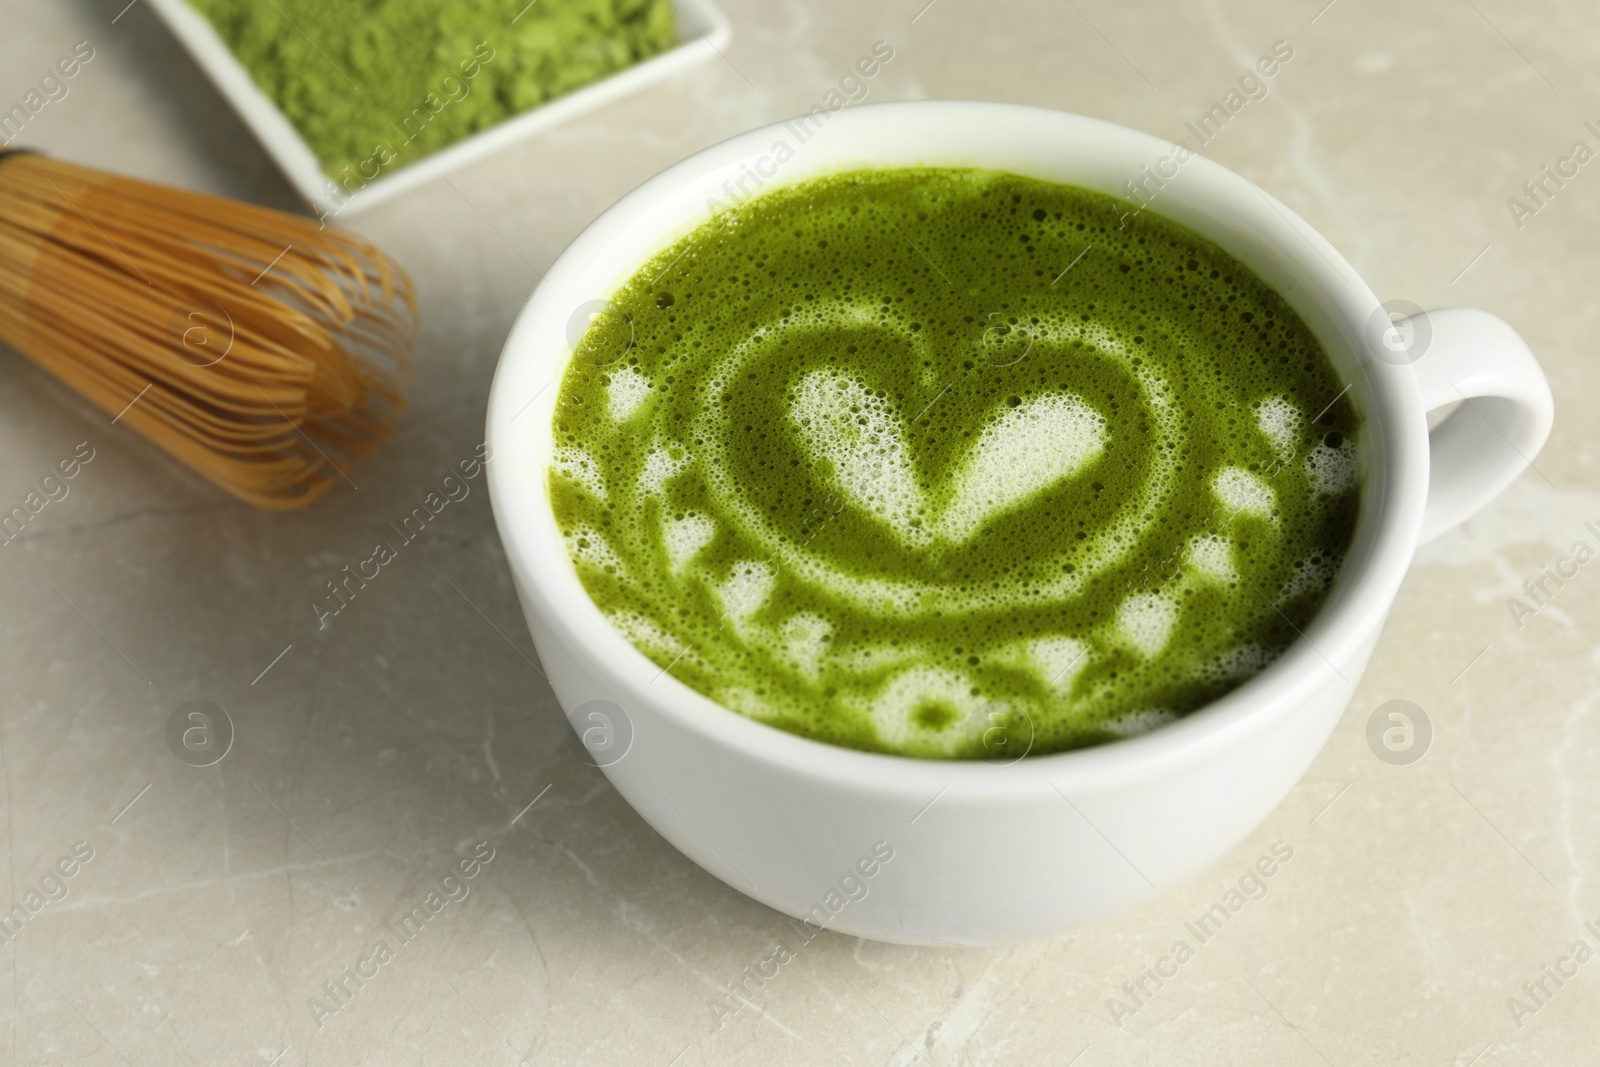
<point x="265" y="353"/>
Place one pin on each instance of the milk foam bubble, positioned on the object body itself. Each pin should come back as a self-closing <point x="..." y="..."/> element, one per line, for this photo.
<point x="1244" y="492"/>
<point x="684" y="537"/>
<point x="1281" y="422"/>
<point x="586" y="546"/>
<point x="746" y="589"/>
<point x="577" y="465"/>
<point x="1025" y="449"/>
<point x="859" y="436"/>
<point x="628" y="390"/>
<point x="1057" y="660"/>
<point x="805" y="639"/>
<point x="659" y="465"/>
<point x="928" y="710"/>
<point x="1333" y="470"/>
<point x="1146" y="621"/>
<point x="1212" y="557"/>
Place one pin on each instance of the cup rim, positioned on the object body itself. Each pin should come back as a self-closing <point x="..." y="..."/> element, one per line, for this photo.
<point x="1395" y="461"/>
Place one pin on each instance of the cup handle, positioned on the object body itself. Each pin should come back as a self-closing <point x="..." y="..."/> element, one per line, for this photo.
<point x="1474" y="358"/>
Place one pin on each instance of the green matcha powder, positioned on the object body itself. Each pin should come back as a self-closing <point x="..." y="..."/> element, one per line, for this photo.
<point x="374" y="84"/>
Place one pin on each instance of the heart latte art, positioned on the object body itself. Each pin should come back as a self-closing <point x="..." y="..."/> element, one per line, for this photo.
<point x="1019" y="453"/>
<point x="953" y="463"/>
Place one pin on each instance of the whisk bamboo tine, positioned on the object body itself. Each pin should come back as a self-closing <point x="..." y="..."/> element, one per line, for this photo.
<point x="265" y="352"/>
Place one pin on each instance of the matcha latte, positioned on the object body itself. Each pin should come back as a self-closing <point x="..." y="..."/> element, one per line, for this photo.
<point x="953" y="463"/>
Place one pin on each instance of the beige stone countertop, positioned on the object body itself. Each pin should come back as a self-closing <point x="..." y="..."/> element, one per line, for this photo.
<point x="371" y="755"/>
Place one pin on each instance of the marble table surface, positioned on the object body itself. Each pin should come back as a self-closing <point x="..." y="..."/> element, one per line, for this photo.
<point x="208" y="906"/>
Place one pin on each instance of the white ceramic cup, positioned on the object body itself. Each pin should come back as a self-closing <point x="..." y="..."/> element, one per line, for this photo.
<point x="985" y="853"/>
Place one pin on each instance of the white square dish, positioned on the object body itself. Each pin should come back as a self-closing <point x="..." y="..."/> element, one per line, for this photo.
<point x="703" y="30"/>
